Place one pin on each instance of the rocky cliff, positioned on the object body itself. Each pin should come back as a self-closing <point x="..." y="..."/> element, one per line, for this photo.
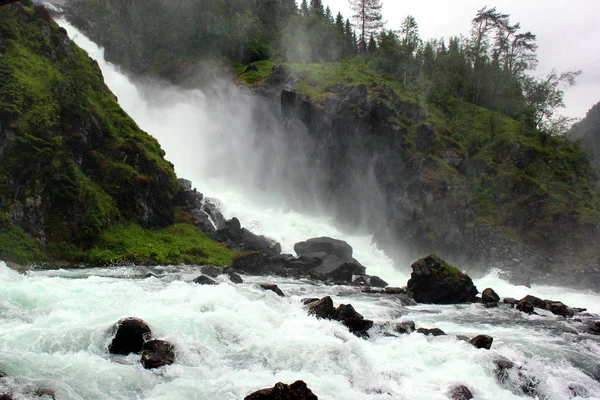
<point x="73" y="164"/>
<point x="588" y="131"/>
<point x="467" y="183"/>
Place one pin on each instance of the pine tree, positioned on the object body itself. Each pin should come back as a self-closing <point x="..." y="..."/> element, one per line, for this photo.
<point x="368" y="19"/>
<point x="304" y="8"/>
<point x="316" y="8"/>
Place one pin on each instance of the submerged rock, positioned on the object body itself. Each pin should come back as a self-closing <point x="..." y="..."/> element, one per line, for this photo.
<point x="157" y="353"/>
<point x="460" y="392"/>
<point x="405" y="327"/>
<point x="204" y="280"/>
<point x="296" y="391"/>
<point x="211" y="270"/>
<point x="482" y="341"/>
<point x="525" y="307"/>
<point x="431" y="332"/>
<point x="272" y="287"/>
<point x="130" y="336"/>
<point x="435" y="281"/>
<point x="233" y="277"/>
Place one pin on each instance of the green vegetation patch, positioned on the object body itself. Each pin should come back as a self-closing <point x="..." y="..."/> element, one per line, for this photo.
<point x="253" y="78"/>
<point x="17" y="246"/>
<point x="176" y="244"/>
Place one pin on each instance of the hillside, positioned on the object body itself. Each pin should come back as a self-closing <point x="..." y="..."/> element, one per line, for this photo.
<point x="588" y="131"/>
<point x="75" y="170"/>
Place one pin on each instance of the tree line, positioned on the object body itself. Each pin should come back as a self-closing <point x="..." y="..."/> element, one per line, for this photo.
<point x="490" y="67"/>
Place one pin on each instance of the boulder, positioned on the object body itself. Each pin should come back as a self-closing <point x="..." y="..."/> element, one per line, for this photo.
<point x="376" y="281"/>
<point x="251" y="263"/>
<point x="405" y="327"/>
<point x="338" y="270"/>
<point x="559" y="308"/>
<point x="534" y="301"/>
<point x="272" y="287"/>
<point x="434" y="281"/>
<point x="333" y="247"/>
<point x="525" y="307"/>
<point x="358" y="326"/>
<point x="431" y="332"/>
<point x="502" y="364"/>
<point x="510" y="300"/>
<point x="233" y="277"/>
<point x="242" y="239"/>
<point x="309" y="300"/>
<point x="460" y="392"/>
<point x="204" y="280"/>
<point x="322" y="308"/>
<point x="211" y="270"/>
<point x="157" y="353"/>
<point x="482" y="341"/>
<point x="296" y="391"/>
<point x="6" y="396"/>
<point x="489" y="296"/>
<point x="130" y="336"/>
<point x="394" y="290"/>
<point x="592" y="327"/>
<point x="345" y="311"/>
<point x="360" y="281"/>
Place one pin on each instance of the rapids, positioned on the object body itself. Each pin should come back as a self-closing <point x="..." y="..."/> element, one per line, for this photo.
<point x="234" y="339"/>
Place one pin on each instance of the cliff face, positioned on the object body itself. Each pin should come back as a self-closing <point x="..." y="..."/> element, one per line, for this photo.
<point x="466" y="183"/>
<point x="588" y="131"/>
<point x="71" y="161"/>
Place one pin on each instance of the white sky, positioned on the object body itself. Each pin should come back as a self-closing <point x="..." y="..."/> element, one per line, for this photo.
<point x="568" y="33"/>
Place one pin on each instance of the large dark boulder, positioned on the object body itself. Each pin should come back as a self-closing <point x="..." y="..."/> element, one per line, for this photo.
<point x="296" y="391"/>
<point x="525" y="307"/>
<point x="322" y="308"/>
<point x="251" y="263"/>
<point x="534" y="301"/>
<point x="431" y="332"/>
<point x="405" y="327"/>
<point x="338" y="270"/>
<point x="489" y="296"/>
<point x="482" y="341"/>
<point x="243" y="240"/>
<point x="205" y="280"/>
<point x="234" y="277"/>
<point x="435" y="281"/>
<point x="157" y="353"/>
<point x="334" y="247"/>
<point x="130" y="336"/>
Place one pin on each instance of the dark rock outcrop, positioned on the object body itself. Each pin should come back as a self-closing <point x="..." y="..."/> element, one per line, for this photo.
<point x="157" y="353"/>
<point x="234" y="277"/>
<point x="482" y="342"/>
<point x="404" y="327"/>
<point x="130" y="336"/>
<point x="211" y="270"/>
<point x="273" y="288"/>
<point x="489" y="296"/>
<point x="204" y="280"/>
<point x="431" y="332"/>
<point x="435" y="281"/>
<point x="525" y="307"/>
<point x="322" y="308"/>
<point x="460" y="392"/>
<point x="333" y="247"/>
<point x="242" y="239"/>
<point x="296" y="391"/>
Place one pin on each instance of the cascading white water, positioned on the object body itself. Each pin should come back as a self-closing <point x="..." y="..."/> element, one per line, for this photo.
<point x="234" y="339"/>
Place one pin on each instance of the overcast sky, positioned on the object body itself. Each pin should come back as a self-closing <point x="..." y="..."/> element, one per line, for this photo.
<point x="568" y="33"/>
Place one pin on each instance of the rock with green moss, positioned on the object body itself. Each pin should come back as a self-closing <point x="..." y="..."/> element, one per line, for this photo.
<point x="435" y="281"/>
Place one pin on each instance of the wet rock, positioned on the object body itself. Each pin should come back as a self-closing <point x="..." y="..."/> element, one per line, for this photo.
<point x="592" y="327"/>
<point x="503" y="365"/>
<point x="525" y="307"/>
<point x="233" y="277"/>
<point x="130" y="335"/>
<point x="296" y="391"/>
<point x="431" y="332"/>
<point x="482" y="341"/>
<point x="157" y="353"/>
<point x="251" y="263"/>
<point x="204" y="280"/>
<point x="211" y="270"/>
<point x="243" y="240"/>
<point x="360" y="281"/>
<point x="338" y="270"/>
<point x="6" y="396"/>
<point x="463" y="338"/>
<point x="307" y="301"/>
<point x="489" y="296"/>
<point x="272" y="287"/>
<point x="510" y="300"/>
<point x="460" y="392"/>
<point x="394" y="290"/>
<point x="377" y="282"/>
<point x="334" y="247"/>
<point x="559" y="308"/>
<point x="490" y="305"/>
<point x="322" y="308"/>
<point x="345" y="311"/>
<point x="405" y="327"/>
<point x="434" y="281"/>
<point x="534" y="301"/>
<point x="358" y="325"/>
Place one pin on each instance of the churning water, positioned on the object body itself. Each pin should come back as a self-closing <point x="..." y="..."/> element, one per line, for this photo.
<point x="234" y="339"/>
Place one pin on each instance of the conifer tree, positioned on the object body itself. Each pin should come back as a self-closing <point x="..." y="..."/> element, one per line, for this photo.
<point x="368" y="19"/>
<point x="304" y="8"/>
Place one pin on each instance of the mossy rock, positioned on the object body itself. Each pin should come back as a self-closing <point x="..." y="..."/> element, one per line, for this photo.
<point x="435" y="281"/>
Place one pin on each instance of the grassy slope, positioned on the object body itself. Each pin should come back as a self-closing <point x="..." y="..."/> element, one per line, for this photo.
<point x="526" y="183"/>
<point x="44" y="90"/>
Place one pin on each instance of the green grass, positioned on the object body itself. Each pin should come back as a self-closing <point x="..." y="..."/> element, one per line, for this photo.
<point x="17" y="246"/>
<point x="253" y="78"/>
<point x="180" y="243"/>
